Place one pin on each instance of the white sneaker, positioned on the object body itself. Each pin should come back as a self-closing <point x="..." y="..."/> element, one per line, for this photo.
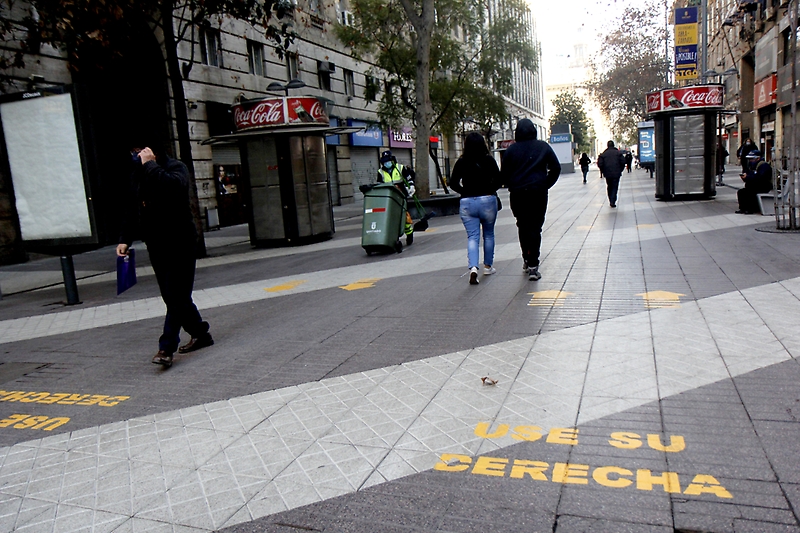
<point x="473" y="276"/>
<point x="488" y="271"/>
<point x="525" y="266"/>
<point x="533" y="274"/>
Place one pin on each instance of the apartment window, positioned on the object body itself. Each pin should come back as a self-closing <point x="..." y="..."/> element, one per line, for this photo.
<point x="210" y="47"/>
<point x="349" y="83"/>
<point x="292" y="66"/>
<point x="255" y="56"/>
<point x="371" y="88"/>
<point x="324" y="71"/>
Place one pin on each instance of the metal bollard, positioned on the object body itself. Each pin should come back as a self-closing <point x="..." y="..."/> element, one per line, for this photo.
<point x="70" y="283"/>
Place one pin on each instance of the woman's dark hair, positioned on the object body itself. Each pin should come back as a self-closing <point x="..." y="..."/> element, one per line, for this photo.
<point x="475" y="146"/>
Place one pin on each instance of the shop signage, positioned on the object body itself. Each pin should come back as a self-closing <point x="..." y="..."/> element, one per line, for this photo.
<point x="686" y="43"/>
<point x="686" y="98"/>
<point x="276" y="112"/>
<point x="561" y="138"/>
<point x="764" y="92"/>
<point x="768" y="126"/>
<point x="784" y="96"/>
<point x="402" y="138"/>
<point x="766" y="55"/>
<point x="371" y="135"/>
<point x="647" y="148"/>
<point x="502" y="145"/>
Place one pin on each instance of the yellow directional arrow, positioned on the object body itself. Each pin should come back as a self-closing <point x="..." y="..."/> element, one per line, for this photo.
<point x="644" y="226"/>
<point x="548" y="298"/>
<point x="659" y="299"/>
<point x="286" y="286"/>
<point x="587" y="228"/>
<point x="361" y="284"/>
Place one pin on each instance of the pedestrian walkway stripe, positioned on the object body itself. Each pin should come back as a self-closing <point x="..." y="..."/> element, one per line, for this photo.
<point x="548" y="298"/>
<point x="361" y="284"/>
<point x="285" y="286"/>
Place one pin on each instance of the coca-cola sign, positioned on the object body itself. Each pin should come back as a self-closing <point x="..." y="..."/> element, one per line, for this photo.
<point x="276" y="112"/>
<point x="681" y="99"/>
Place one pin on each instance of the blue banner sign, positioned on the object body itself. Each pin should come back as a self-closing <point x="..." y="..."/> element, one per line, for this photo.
<point x="561" y="138"/>
<point x="372" y="135"/>
<point x="686" y="15"/>
<point x="647" y="148"/>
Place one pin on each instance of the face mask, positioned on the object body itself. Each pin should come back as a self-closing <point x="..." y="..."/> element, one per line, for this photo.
<point x="387" y="165"/>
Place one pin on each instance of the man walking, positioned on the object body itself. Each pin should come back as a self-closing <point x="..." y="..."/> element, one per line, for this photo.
<point x="530" y="168"/>
<point x="403" y="178"/>
<point x="611" y="164"/>
<point x="160" y="188"/>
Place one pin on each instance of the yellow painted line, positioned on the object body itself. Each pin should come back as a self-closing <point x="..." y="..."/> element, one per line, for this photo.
<point x="33" y="422"/>
<point x="645" y="226"/>
<point x="586" y="228"/>
<point x="661" y="299"/>
<point x="361" y="284"/>
<point x="548" y="298"/>
<point x="285" y="286"/>
<point x="61" y="398"/>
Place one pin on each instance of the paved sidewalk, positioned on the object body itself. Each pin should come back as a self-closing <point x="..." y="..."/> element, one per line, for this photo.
<point x="648" y="382"/>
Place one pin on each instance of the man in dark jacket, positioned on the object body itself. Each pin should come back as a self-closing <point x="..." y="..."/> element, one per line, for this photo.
<point x="757" y="180"/>
<point x="160" y="188"/>
<point x="530" y="168"/>
<point x="611" y="163"/>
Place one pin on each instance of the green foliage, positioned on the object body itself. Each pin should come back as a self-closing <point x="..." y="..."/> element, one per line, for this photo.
<point x="469" y="73"/>
<point x="631" y="63"/>
<point x="569" y="110"/>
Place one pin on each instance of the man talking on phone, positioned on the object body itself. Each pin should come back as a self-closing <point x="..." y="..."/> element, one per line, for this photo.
<point x="158" y="204"/>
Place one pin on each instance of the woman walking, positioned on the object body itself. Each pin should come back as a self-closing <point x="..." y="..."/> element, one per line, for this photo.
<point x="476" y="178"/>
<point x="584" y="162"/>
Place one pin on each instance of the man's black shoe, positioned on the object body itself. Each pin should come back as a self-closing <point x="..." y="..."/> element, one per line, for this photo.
<point x="196" y="343"/>
<point x="163" y="358"/>
<point x="409" y="239"/>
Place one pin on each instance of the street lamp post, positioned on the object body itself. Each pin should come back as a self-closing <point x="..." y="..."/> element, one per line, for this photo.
<point x="276" y="86"/>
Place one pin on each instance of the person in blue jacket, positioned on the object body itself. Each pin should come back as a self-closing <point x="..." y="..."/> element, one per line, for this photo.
<point x="757" y="179"/>
<point x="529" y="169"/>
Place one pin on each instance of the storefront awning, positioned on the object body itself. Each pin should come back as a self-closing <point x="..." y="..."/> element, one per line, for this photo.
<point x="289" y="130"/>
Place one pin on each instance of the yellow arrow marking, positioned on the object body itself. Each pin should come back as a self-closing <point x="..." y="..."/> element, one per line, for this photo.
<point x="644" y="226"/>
<point x="585" y="227"/>
<point x="659" y="299"/>
<point x="360" y="284"/>
<point x="548" y="298"/>
<point x="286" y="286"/>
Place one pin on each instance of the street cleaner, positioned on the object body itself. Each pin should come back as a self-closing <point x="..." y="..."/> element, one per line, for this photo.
<point x="403" y="178"/>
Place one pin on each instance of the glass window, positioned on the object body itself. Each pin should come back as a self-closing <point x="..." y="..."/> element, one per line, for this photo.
<point x="255" y="57"/>
<point x="210" y="47"/>
<point x="324" y="73"/>
<point x="349" y="83"/>
<point x="292" y="66"/>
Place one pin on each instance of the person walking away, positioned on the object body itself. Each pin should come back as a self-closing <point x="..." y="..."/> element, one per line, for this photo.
<point x="628" y="161"/>
<point x="529" y="169"/>
<point x="403" y="178"/>
<point x="722" y="154"/>
<point x="746" y="147"/>
<point x="158" y="206"/>
<point x="757" y="180"/>
<point x="584" y="162"/>
<point x="476" y="178"/>
<point x="611" y="164"/>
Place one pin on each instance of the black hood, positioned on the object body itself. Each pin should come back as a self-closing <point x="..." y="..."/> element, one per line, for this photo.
<point x="525" y="131"/>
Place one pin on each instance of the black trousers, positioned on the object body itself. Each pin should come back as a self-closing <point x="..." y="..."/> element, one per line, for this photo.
<point x="612" y="186"/>
<point x="174" y="267"/>
<point x="748" y="200"/>
<point x="529" y="208"/>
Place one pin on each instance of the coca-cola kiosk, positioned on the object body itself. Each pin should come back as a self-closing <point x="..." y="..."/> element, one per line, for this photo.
<point x="685" y="122"/>
<point x="286" y="185"/>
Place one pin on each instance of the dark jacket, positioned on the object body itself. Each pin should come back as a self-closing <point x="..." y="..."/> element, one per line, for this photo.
<point x="529" y="164"/>
<point x="759" y="180"/>
<point x="158" y="205"/>
<point x="611" y="163"/>
<point x="584" y="161"/>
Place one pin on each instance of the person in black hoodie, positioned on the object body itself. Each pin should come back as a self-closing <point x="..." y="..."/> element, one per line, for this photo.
<point x="160" y="190"/>
<point x="611" y="163"/>
<point x="476" y="178"/>
<point x="530" y="167"/>
<point x="584" y="162"/>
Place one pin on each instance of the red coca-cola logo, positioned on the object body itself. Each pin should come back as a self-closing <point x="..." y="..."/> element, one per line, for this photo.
<point x="264" y="113"/>
<point x="698" y="96"/>
<point x="653" y="102"/>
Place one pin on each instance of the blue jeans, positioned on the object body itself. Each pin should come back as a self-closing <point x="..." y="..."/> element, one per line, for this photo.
<point x="477" y="212"/>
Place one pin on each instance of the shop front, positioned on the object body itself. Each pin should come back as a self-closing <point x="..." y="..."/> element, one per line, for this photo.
<point x="764" y="98"/>
<point x="365" y="149"/>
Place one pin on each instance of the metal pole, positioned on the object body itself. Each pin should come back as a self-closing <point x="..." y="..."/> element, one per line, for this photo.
<point x="791" y="181"/>
<point x="70" y="283"/>
<point x="704" y="48"/>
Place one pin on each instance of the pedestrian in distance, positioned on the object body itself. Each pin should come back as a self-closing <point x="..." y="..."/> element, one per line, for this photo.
<point x="476" y="178"/>
<point x="722" y="154"/>
<point x="757" y="180"/>
<point x="628" y="160"/>
<point x="403" y="178"/>
<point x="529" y="169"/>
<point x="157" y="205"/>
<point x="584" y="162"/>
<point x="747" y="146"/>
<point x="611" y="164"/>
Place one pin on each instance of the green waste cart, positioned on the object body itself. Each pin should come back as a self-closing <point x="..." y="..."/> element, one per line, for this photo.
<point x="384" y="218"/>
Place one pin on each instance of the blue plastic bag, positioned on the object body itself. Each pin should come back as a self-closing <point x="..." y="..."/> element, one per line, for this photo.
<point x="126" y="271"/>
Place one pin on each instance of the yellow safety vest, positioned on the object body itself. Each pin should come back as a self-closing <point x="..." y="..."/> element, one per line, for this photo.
<point x="395" y="176"/>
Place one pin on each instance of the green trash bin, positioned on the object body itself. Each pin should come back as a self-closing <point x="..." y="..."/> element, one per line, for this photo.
<point x="384" y="219"/>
